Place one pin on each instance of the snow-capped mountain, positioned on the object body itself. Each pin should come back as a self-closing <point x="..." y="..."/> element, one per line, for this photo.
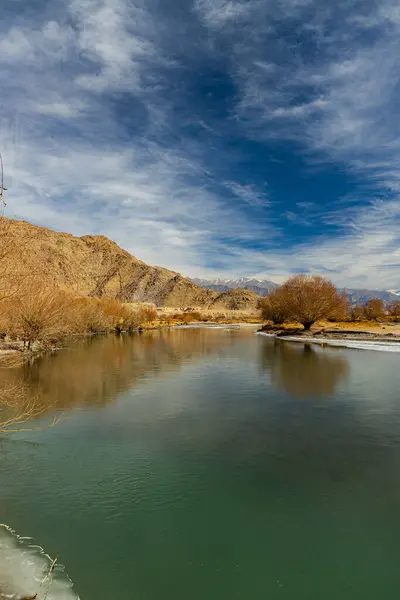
<point x="358" y="296"/>
<point x="262" y="287"/>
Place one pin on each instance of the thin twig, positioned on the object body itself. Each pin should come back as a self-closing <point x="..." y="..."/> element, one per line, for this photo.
<point x="4" y="430"/>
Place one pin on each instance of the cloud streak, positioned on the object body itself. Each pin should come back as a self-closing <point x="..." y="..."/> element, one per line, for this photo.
<point x="154" y="125"/>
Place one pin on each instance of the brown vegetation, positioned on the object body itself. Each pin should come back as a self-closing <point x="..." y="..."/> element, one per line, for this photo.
<point x="394" y="309"/>
<point x="375" y="309"/>
<point x="357" y="313"/>
<point x="305" y="299"/>
<point x="92" y="266"/>
<point x="42" y="318"/>
<point x="274" y="307"/>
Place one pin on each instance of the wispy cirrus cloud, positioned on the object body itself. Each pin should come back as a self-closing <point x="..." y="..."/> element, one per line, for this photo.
<point x="163" y="127"/>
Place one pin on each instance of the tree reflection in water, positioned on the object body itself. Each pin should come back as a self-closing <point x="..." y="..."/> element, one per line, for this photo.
<point x="94" y="372"/>
<point x="302" y="370"/>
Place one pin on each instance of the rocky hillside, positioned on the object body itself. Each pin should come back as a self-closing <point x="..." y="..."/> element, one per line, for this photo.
<point x="236" y="300"/>
<point x="96" y="266"/>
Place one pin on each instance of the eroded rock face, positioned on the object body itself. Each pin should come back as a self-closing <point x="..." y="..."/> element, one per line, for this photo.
<point x="96" y="266"/>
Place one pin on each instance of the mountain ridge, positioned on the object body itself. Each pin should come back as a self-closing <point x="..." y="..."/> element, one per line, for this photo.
<point x="263" y="287"/>
<point x="95" y="266"/>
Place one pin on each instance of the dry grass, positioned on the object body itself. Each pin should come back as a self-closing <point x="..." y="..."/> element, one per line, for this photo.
<point x="363" y="326"/>
<point x="39" y="315"/>
<point x="13" y="274"/>
<point x="171" y="316"/>
<point x="39" y="318"/>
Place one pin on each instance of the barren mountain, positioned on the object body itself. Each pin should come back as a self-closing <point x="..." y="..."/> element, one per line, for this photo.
<point x="96" y="266"/>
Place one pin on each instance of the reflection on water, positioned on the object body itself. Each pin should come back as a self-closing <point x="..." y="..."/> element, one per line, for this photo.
<point x="196" y="473"/>
<point x="93" y="372"/>
<point x="303" y="370"/>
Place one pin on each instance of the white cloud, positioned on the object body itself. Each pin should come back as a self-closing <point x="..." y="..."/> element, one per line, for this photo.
<point x="112" y="34"/>
<point x="68" y="167"/>
<point x="248" y="193"/>
<point x="218" y="13"/>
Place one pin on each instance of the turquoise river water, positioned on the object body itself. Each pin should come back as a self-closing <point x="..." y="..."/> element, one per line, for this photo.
<point x="207" y="464"/>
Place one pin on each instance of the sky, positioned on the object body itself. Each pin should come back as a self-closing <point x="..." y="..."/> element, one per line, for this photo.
<point x="218" y="138"/>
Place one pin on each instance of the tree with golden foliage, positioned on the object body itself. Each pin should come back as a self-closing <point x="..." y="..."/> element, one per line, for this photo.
<point x="357" y="312"/>
<point x="394" y="309"/>
<point x="310" y="298"/>
<point x="375" y="309"/>
<point x="274" y="307"/>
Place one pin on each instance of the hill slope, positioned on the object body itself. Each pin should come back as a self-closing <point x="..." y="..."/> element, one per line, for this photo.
<point x="95" y="266"/>
<point x="236" y="299"/>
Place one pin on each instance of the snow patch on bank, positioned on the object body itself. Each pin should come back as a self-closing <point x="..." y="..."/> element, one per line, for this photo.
<point x="23" y="566"/>
<point x="376" y="345"/>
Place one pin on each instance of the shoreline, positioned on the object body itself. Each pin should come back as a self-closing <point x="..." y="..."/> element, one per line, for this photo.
<point x="358" y="340"/>
<point x="11" y="351"/>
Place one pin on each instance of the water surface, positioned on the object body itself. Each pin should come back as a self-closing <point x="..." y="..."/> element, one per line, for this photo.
<point x="205" y="463"/>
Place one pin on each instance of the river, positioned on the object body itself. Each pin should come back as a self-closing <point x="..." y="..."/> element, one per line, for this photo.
<point x="208" y="463"/>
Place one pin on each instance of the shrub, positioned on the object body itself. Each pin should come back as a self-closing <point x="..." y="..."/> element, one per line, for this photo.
<point x="308" y="299"/>
<point x="87" y="316"/>
<point x="357" y="313"/>
<point x="375" y="309"/>
<point x="39" y="315"/>
<point x="275" y="307"/>
<point x="394" y="309"/>
<point x="147" y="313"/>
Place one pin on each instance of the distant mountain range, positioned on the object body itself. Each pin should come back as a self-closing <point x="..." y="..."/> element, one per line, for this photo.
<point x="362" y="296"/>
<point x="263" y="287"/>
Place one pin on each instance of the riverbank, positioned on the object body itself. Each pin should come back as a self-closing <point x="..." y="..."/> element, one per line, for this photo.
<point x="14" y="351"/>
<point x="370" y="338"/>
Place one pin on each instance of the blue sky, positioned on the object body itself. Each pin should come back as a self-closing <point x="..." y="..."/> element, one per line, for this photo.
<point x="214" y="137"/>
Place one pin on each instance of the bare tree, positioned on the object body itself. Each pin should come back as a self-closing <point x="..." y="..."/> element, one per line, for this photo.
<point x="274" y="307"/>
<point x="311" y="298"/>
<point x="357" y="312"/>
<point x="375" y="309"/>
<point x="39" y="315"/>
<point x="394" y="309"/>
